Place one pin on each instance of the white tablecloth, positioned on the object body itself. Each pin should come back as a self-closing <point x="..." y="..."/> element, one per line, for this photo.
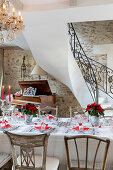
<point x="56" y="145"/>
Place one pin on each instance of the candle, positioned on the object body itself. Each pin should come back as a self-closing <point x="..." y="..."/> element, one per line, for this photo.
<point x="13" y="10"/>
<point x="19" y="13"/>
<point x="4" y="7"/>
<point x="21" y="18"/>
<point x="2" y="93"/>
<point x="9" y="94"/>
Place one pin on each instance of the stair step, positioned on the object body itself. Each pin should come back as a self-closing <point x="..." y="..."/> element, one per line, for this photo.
<point x="108" y="113"/>
<point x="102" y="100"/>
<point x="107" y="106"/>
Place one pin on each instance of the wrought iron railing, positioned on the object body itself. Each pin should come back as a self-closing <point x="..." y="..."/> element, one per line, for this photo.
<point x="96" y="75"/>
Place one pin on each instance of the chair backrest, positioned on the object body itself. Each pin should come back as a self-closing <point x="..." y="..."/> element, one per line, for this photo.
<point x="7" y="109"/>
<point x="48" y="108"/>
<point x="75" y="110"/>
<point x="78" y="144"/>
<point x="27" y="145"/>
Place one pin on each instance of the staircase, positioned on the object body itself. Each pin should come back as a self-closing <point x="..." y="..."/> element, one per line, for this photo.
<point x="97" y="76"/>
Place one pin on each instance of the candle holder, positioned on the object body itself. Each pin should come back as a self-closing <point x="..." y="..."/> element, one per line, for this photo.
<point x="2" y="102"/>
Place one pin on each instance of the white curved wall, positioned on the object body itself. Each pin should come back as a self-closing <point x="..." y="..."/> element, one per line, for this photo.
<point x="47" y="36"/>
<point x="79" y="87"/>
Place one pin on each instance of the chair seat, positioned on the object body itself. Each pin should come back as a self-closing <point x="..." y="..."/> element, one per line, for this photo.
<point x="82" y="165"/>
<point x="73" y="168"/>
<point x="4" y="158"/>
<point x="52" y="163"/>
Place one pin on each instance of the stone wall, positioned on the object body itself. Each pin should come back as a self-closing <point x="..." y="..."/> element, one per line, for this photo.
<point x="12" y="74"/>
<point x="94" y="33"/>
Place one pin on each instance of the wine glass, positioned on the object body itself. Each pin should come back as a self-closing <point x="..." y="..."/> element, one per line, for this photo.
<point x="3" y="108"/>
<point x="80" y="120"/>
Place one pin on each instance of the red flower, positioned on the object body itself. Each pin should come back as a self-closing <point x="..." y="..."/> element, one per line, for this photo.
<point x="33" y="111"/>
<point x="94" y="106"/>
<point x="31" y="108"/>
<point x="24" y="107"/>
<point x="100" y="108"/>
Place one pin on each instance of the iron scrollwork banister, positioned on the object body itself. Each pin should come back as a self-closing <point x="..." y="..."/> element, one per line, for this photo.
<point x="96" y="75"/>
<point x="84" y="63"/>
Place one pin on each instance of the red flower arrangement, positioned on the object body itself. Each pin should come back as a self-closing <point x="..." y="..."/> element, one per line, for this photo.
<point x="95" y="110"/>
<point x="30" y="109"/>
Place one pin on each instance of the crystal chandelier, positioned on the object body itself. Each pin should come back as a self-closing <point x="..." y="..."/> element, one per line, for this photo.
<point x="10" y="25"/>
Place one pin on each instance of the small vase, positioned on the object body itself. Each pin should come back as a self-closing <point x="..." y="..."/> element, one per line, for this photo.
<point x="28" y="119"/>
<point x="94" y="120"/>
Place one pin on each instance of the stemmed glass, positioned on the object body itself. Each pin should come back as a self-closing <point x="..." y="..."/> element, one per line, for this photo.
<point x="3" y="108"/>
<point x="80" y="120"/>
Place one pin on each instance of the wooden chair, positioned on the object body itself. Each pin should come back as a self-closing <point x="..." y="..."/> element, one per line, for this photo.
<point x="74" y="111"/>
<point x="48" y="108"/>
<point x="7" y="109"/>
<point x="28" y="159"/>
<point x="87" y="138"/>
<point x="5" y="161"/>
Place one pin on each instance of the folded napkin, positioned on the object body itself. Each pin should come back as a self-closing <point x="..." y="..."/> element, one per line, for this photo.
<point x="77" y="128"/>
<point x="51" y="117"/>
<point x="5" y="121"/>
<point x="94" y="126"/>
<point x="6" y="126"/>
<point x="40" y="127"/>
<point x="21" y="116"/>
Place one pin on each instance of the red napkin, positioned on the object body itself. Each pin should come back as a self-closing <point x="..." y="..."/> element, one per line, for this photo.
<point x="85" y="128"/>
<point x="99" y="126"/>
<point x="5" y="121"/>
<point x="51" y="117"/>
<point x="77" y="128"/>
<point x="40" y="127"/>
<point x="6" y="126"/>
<point x="21" y="116"/>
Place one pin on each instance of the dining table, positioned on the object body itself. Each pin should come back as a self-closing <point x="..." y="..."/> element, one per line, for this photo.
<point x="58" y="128"/>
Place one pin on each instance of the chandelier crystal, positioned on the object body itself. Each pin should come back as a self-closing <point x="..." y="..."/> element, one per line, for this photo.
<point x="10" y="25"/>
